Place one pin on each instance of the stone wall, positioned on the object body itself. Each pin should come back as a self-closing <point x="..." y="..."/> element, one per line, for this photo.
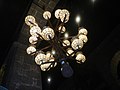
<point x="24" y="74"/>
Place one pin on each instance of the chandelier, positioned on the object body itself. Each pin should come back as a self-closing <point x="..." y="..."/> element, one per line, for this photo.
<point x="51" y="45"/>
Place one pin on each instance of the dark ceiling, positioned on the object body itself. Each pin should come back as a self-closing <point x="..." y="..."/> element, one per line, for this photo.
<point x="99" y="18"/>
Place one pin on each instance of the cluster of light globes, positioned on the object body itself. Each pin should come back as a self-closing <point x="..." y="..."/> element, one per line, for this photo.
<point x="46" y="59"/>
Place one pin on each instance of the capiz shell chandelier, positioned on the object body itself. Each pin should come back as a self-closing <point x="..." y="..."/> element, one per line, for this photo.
<point x="52" y="45"/>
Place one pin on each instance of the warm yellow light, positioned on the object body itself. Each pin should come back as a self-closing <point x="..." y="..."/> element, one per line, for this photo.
<point x="66" y="35"/>
<point x="31" y="50"/>
<point x="80" y="57"/>
<point x="78" y="19"/>
<point x="82" y="31"/>
<point x="45" y="66"/>
<point x="62" y="29"/>
<point x="64" y="15"/>
<point x="70" y="52"/>
<point x="77" y="44"/>
<point x="48" y="33"/>
<point x="48" y="55"/>
<point x="47" y="15"/>
<point x="30" y="20"/>
<point x="93" y="1"/>
<point x="57" y="13"/>
<point x="35" y="31"/>
<point x="83" y="38"/>
<point x="66" y="43"/>
<point x="53" y="52"/>
<point x="40" y="58"/>
<point x="33" y="39"/>
<point x="49" y="80"/>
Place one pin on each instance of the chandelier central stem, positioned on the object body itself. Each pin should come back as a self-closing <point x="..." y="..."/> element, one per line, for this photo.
<point x="59" y="52"/>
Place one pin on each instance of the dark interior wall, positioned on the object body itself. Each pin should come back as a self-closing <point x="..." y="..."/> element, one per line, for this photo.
<point x="12" y="13"/>
<point x="101" y="58"/>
